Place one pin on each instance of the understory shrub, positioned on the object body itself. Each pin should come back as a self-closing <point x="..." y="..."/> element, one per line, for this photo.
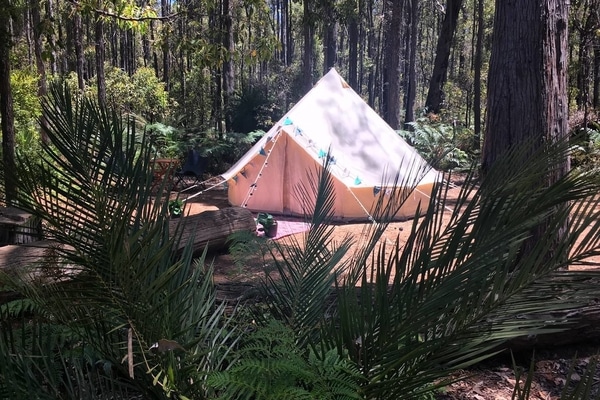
<point x="445" y="146"/>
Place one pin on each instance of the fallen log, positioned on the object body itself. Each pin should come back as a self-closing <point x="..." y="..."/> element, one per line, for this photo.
<point x="207" y="229"/>
<point x="212" y="228"/>
<point x="572" y="326"/>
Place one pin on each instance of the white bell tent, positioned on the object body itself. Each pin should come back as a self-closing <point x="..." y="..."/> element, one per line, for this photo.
<point x="366" y="157"/>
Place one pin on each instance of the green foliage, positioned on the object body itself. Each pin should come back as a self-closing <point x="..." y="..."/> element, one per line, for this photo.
<point x="166" y="141"/>
<point x="445" y="146"/>
<point x="142" y="94"/>
<point x="272" y="366"/>
<point x="372" y="318"/>
<point x="149" y="97"/>
<point x="265" y="219"/>
<point x="455" y="290"/>
<point x="27" y="111"/>
<point x="306" y="273"/>
<point x="252" y="110"/>
<point x="223" y="151"/>
<point x="586" y="150"/>
<point x="175" y="207"/>
<point x="128" y="291"/>
<point x="244" y="245"/>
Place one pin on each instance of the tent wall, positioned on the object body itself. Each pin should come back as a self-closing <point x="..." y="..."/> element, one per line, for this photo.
<point x="287" y="168"/>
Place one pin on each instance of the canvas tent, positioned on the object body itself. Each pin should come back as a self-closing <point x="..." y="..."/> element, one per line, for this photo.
<point x="365" y="154"/>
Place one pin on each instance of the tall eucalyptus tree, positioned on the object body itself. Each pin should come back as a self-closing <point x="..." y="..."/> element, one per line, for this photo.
<point x="527" y="80"/>
<point x="435" y="95"/>
<point x="390" y="104"/>
<point x="7" y="118"/>
<point x="527" y="90"/>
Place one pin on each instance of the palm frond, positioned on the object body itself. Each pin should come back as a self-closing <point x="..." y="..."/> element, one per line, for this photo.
<point x="306" y="273"/>
<point x="454" y="292"/>
<point x="124" y="288"/>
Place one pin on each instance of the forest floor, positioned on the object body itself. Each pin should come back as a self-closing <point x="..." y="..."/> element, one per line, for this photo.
<point x="493" y="379"/>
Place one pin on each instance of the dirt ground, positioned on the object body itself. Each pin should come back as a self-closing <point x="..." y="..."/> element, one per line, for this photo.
<point x="491" y="380"/>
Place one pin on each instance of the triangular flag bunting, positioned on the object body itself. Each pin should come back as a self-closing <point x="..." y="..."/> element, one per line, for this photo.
<point x="243" y="173"/>
<point x="287" y="121"/>
<point x="298" y="131"/>
<point x="357" y="181"/>
<point x="262" y="151"/>
<point x="376" y="189"/>
<point x="322" y="153"/>
<point x="235" y="178"/>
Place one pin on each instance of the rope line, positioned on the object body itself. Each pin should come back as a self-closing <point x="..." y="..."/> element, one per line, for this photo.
<point x="254" y="185"/>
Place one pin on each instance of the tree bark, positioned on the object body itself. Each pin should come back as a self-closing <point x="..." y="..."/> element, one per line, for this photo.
<point x="329" y="35"/>
<point x="100" y="57"/>
<point x="228" y="65"/>
<point x="7" y="118"/>
<point x="307" y="57"/>
<point x="391" y="72"/>
<point x="79" y="51"/>
<point x="353" y="52"/>
<point x="596" y="89"/>
<point x="477" y="64"/>
<point x="411" y="90"/>
<point x="39" y="61"/>
<point x="435" y="95"/>
<point x="527" y="89"/>
<point x="166" y="52"/>
<point x="212" y="228"/>
<point x="50" y="37"/>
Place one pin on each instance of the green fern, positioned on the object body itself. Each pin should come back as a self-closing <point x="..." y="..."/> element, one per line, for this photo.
<point x="245" y="245"/>
<point x="438" y="144"/>
<point x="272" y="366"/>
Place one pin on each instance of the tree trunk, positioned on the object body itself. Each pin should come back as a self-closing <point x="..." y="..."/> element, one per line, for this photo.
<point x="100" y="56"/>
<point x="307" y="57"/>
<point x="79" y="51"/>
<point x="596" y="89"/>
<point x="411" y="90"/>
<point x="391" y="72"/>
<point x="527" y="89"/>
<point x="228" y="65"/>
<point x="477" y="64"/>
<point x="39" y="62"/>
<point x="7" y="118"/>
<point x="435" y="95"/>
<point x="207" y="229"/>
<point x="329" y="35"/>
<point x="353" y="52"/>
<point x="50" y="36"/>
<point x="212" y="228"/>
<point x="154" y="54"/>
<point x="165" y="46"/>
